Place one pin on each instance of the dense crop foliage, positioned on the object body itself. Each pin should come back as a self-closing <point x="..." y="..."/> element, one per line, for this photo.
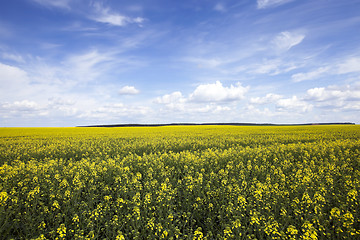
<point x="208" y="182"/>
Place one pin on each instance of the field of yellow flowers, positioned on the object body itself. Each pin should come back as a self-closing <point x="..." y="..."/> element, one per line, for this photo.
<point x="193" y="182"/>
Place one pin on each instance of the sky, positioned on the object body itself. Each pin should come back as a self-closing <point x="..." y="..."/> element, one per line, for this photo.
<point x="67" y="63"/>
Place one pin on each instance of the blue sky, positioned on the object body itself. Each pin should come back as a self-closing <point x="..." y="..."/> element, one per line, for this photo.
<point x="77" y="62"/>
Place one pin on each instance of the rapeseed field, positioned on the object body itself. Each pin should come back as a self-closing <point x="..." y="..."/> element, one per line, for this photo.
<point x="193" y="182"/>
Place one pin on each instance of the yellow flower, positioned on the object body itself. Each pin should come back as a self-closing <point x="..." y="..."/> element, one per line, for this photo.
<point x="198" y="235"/>
<point x="3" y="197"/>
<point x="76" y="218"/>
<point x="292" y="231"/>
<point x="335" y="213"/>
<point x="309" y="232"/>
<point x="120" y="236"/>
<point x="56" y="205"/>
<point x="61" y="231"/>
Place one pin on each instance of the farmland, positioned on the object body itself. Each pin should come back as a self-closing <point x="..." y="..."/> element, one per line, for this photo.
<point x="176" y="182"/>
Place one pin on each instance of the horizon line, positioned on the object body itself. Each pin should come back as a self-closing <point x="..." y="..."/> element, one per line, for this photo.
<point x="214" y="124"/>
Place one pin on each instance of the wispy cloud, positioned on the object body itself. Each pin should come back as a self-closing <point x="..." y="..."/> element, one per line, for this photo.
<point x="49" y="46"/>
<point x="261" y="4"/>
<point x="272" y="67"/>
<point x="54" y="3"/>
<point x="80" y="27"/>
<point x="95" y="63"/>
<point x="72" y="70"/>
<point x="100" y="13"/>
<point x="299" y="77"/>
<point x="269" y="98"/>
<point x="220" y="7"/>
<point x="11" y="76"/>
<point x="286" y="40"/>
<point x="108" y="16"/>
<point x="349" y="65"/>
<point x="346" y="65"/>
<point x="205" y="62"/>
<point x="13" y="57"/>
<point x="88" y="66"/>
<point x="24" y="105"/>
<point x="114" y="111"/>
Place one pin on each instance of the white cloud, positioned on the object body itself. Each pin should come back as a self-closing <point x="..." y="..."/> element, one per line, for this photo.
<point x="128" y="90"/>
<point x="71" y="87"/>
<point x="11" y="76"/>
<point x="80" y="68"/>
<point x="221" y="109"/>
<point x="85" y="67"/>
<point x="267" y="67"/>
<point x="57" y="101"/>
<point x="299" y="77"/>
<point x="220" y="7"/>
<point x="173" y="101"/>
<point x="259" y="115"/>
<point x="22" y="109"/>
<point x="62" y="106"/>
<point x="13" y="57"/>
<point x="261" y="4"/>
<point x="286" y="40"/>
<point x="272" y="67"/>
<point x="102" y="14"/>
<point x="135" y="8"/>
<point x="335" y="93"/>
<point x="67" y="111"/>
<point x="205" y="99"/>
<point x="113" y="19"/>
<point x="54" y="3"/>
<point x="216" y="92"/>
<point x="106" y="15"/>
<point x="348" y="66"/>
<point x="170" y="98"/>
<point x="49" y="46"/>
<point x="336" y="98"/>
<point x="322" y="94"/>
<point x="89" y="59"/>
<point x="115" y="112"/>
<point x="293" y="104"/>
<point x="205" y="62"/>
<point x="209" y="108"/>
<point x="269" y="98"/>
<point x="24" y="105"/>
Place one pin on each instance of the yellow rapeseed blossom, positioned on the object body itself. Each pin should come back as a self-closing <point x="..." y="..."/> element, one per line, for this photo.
<point x="309" y="232"/>
<point x="3" y="197"/>
<point x="198" y="235"/>
<point x="120" y="236"/>
<point x="180" y="182"/>
<point x="61" y="231"/>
